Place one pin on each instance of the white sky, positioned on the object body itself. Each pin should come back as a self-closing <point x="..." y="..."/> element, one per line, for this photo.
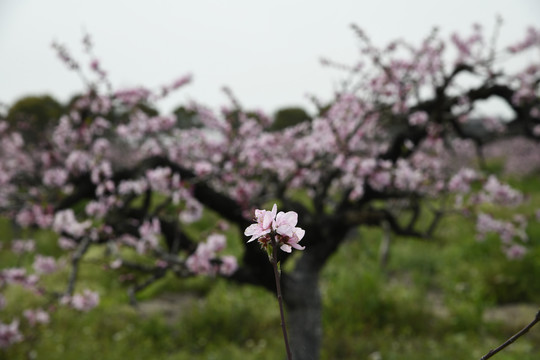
<point x="267" y="51"/>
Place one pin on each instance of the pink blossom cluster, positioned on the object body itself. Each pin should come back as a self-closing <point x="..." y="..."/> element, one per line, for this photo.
<point x="468" y="48"/>
<point x="163" y="180"/>
<point x="418" y="118"/>
<point x="132" y="187"/>
<point x="36" y="316"/>
<point x="141" y="125"/>
<point x="18" y="276"/>
<point x="149" y="233"/>
<point x="78" y="162"/>
<point x="462" y="180"/>
<point x="527" y="82"/>
<point x="10" y="334"/>
<point x="493" y="124"/>
<point x="407" y="178"/>
<point x="192" y="211"/>
<point x="496" y="192"/>
<point x="19" y="246"/>
<point x="176" y="84"/>
<point x="205" y="259"/>
<point x="512" y="233"/>
<point x="44" y="264"/>
<point x="132" y="96"/>
<point x="85" y="301"/>
<point x="34" y="215"/>
<point x="521" y="156"/>
<point x="55" y="177"/>
<point x="532" y="38"/>
<point x="277" y="229"/>
<point x="66" y="222"/>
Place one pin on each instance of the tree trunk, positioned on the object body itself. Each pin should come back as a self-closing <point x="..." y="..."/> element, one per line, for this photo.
<point x="304" y="313"/>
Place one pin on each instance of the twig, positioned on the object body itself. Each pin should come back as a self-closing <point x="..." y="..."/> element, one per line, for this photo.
<point x="274" y="262"/>
<point x="513" y="338"/>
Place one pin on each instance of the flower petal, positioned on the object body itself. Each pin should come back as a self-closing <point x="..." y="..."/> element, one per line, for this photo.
<point x="251" y="229"/>
<point x="285" y="230"/>
<point x="268" y="220"/>
<point x="286" y="248"/>
<point x="290" y="218"/>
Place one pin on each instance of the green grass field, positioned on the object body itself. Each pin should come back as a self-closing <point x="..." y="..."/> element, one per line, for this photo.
<point x="451" y="297"/>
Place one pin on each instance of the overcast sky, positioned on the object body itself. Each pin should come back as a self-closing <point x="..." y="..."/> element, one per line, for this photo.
<point x="267" y="51"/>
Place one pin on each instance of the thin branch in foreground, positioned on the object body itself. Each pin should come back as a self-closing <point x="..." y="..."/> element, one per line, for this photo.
<point x="513" y="338"/>
<point x="277" y="276"/>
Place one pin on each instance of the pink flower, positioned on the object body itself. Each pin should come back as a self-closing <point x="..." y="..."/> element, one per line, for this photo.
<point x="21" y="246"/>
<point x="515" y="252"/>
<point x="264" y="223"/>
<point x="159" y="179"/>
<point x="205" y="260"/>
<point x="202" y="168"/>
<point x="18" y="276"/>
<point x="83" y="302"/>
<point x="287" y="232"/>
<point x="461" y="182"/>
<point x="149" y="235"/>
<point x="500" y="193"/>
<point x="418" y="118"/>
<point x="38" y="316"/>
<point x="198" y="264"/>
<point x="192" y="212"/>
<point x="288" y="243"/>
<point x="282" y="226"/>
<point x="9" y="334"/>
<point x="285" y="223"/>
<point x="66" y="243"/>
<point x="216" y="242"/>
<point x="65" y="221"/>
<point x="228" y="265"/>
<point x="44" y="264"/>
<point x="55" y="177"/>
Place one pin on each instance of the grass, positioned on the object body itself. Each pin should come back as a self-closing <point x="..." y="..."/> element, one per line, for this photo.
<point x="429" y="302"/>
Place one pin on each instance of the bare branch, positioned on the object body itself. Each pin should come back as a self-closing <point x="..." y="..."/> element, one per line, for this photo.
<point x="513" y="338"/>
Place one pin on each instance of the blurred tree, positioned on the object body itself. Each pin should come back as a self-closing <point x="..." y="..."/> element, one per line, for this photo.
<point x="287" y="117"/>
<point x="32" y="115"/>
<point x="186" y="118"/>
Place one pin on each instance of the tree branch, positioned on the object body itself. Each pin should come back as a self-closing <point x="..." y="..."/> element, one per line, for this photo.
<point x="138" y="287"/>
<point x="75" y="260"/>
<point x="513" y="338"/>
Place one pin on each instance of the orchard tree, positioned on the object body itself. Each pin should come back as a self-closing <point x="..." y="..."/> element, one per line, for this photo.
<point x="379" y="154"/>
